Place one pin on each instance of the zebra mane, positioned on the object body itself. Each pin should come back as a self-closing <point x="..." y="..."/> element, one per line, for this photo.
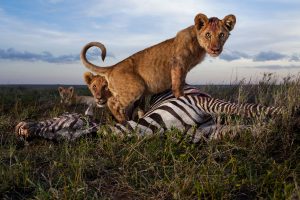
<point x="168" y="94"/>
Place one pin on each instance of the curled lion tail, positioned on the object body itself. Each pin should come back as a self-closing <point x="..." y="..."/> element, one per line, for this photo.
<point x="94" y="68"/>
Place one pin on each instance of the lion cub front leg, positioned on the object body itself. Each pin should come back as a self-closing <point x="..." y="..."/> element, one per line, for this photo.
<point x="178" y="75"/>
<point x="116" y="109"/>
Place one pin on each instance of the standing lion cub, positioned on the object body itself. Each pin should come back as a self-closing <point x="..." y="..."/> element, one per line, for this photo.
<point x="164" y="65"/>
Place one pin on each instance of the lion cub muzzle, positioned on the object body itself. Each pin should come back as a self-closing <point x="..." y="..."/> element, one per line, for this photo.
<point x="100" y="102"/>
<point x="215" y="51"/>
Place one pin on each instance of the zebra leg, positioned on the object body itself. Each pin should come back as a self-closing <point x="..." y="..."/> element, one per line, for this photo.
<point x="25" y="129"/>
<point x="216" y="131"/>
<point x="31" y="129"/>
<point x="68" y="126"/>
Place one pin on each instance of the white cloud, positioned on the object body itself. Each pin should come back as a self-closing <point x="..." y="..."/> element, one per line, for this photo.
<point x="128" y="26"/>
<point x="219" y="72"/>
<point x="55" y="1"/>
<point x="40" y="73"/>
<point x="145" y="7"/>
<point x="280" y="1"/>
<point x="29" y="36"/>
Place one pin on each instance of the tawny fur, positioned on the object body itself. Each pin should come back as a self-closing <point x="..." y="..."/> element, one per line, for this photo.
<point x="164" y="65"/>
<point x="103" y="96"/>
<point x="69" y="97"/>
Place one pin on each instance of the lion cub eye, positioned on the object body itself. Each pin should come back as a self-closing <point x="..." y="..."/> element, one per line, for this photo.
<point x="207" y="35"/>
<point x="94" y="86"/>
<point x="221" y="35"/>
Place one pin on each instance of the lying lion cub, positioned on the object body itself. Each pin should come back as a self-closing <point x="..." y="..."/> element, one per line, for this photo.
<point x="161" y="66"/>
<point x="69" y="97"/>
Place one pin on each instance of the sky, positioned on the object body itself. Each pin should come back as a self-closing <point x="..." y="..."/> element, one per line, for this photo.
<point x="40" y="40"/>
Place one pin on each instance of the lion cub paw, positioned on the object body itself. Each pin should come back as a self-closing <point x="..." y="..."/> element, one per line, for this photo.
<point x="178" y="93"/>
<point x="140" y="113"/>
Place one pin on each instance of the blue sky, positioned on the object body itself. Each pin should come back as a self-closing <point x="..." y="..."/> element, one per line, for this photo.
<point x="40" y="40"/>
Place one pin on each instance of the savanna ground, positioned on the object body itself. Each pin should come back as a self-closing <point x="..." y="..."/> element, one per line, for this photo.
<point x="265" y="166"/>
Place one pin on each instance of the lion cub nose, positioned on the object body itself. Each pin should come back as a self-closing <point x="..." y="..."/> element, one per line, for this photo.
<point x="216" y="48"/>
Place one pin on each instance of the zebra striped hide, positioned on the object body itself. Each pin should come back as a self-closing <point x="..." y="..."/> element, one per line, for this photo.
<point x="192" y="114"/>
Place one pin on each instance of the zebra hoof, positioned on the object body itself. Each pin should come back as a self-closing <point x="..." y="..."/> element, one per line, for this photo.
<point x="22" y="130"/>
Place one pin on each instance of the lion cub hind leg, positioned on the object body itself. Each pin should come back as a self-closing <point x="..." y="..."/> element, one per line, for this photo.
<point x="136" y="110"/>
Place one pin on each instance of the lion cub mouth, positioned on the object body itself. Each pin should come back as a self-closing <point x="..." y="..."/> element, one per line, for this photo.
<point x="214" y="53"/>
<point x="101" y="103"/>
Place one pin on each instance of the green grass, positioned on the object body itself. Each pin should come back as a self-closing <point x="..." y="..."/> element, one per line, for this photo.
<point x="245" y="167"/>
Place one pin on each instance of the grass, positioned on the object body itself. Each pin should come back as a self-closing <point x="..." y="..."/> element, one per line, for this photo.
<point x="245" y="167"/>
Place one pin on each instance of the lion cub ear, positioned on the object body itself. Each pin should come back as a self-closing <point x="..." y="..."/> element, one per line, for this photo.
<point x="200" y="21"/>
<point x="88" y="77"/>
<point x="60" y="89"/>
<point x="71" y="90"/>
<point x="229" y="22"/>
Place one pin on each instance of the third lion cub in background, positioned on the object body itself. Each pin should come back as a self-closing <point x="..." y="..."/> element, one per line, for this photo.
<point x="164" y="65"/>
<point x="69" y="97"/>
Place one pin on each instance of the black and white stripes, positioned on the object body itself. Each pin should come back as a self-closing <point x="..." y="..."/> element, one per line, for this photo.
<point x="67" y="126"/>
<point x="192" y="114"/>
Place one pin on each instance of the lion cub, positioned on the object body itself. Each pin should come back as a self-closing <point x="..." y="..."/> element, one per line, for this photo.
<point x="69" y="97"/>
<point x="165" y="65"/>
<point x="103" y="97"/>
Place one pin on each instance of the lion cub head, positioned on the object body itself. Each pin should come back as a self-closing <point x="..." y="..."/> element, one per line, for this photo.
<point x="212" y="33"/>
<point x="98" y="87"/>
<point x="66" y="95"/>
